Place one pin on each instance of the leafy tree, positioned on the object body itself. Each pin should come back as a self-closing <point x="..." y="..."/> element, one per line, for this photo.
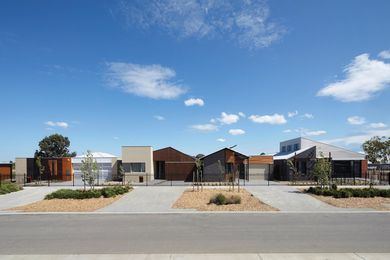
<point x="89" y="170"/>
<point x="55" y="145"/>
<point x="322" y="171"/>
<point x="377" y="149"/>
<point x="121" y="171"/>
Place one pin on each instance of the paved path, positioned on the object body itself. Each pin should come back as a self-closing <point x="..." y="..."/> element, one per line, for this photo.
<point x="148" y="199"/>
<point x="288" y="198"/>
<point x="195" y="233"/>
<point x="26" y="196"/>
<point x="297" y="256"/>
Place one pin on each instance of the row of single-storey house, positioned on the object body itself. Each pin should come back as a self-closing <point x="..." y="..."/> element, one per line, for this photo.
<point x="143" y="164"/>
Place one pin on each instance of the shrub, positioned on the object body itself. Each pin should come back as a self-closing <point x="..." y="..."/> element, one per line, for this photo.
<point x="385" y="193"/>
<point x="220" y="199"/>
<point x="334" y="186"/>
<point x="328" y="192"/>
<point x="349" y="192"/>
<point x="345" y="194"/>
<point x="235" y="199"/>
<point x="8" y="187"/>
<point x="107" y="192"/>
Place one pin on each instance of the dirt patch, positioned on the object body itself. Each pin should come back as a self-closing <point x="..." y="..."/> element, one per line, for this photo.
<point x="67" y="205"/>
<point x="199" y="200"/>
<point x="377" y="203"/>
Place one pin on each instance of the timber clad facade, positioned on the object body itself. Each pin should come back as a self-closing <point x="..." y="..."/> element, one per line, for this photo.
<point x="5" y="171"/>
<point x="171" y="164"/>
<point x="224" y="165"/>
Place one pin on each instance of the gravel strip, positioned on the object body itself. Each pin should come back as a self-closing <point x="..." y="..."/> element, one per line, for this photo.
<point x="67" y="205"/>
<point x="199" y="200"/>
<point x="378" y="203"/>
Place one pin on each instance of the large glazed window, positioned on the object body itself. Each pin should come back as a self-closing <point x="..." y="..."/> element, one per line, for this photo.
<point x="134" y="167"/>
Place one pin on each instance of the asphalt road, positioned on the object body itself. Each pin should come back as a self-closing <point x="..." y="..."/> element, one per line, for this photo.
<point x="195" y="233"/>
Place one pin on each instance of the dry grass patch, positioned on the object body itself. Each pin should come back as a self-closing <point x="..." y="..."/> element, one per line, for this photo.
<point x="378" y="203"/>
<point x="67" y="205"/>
<point x="199" y="200"/>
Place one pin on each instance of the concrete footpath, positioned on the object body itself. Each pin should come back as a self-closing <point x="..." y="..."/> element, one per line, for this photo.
<point x="274" y="256"/>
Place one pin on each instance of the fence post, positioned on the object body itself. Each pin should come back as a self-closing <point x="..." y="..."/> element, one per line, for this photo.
<point x="24" y="179"/>
<point x="171" y="182"/>
<point x="73" y="179"/>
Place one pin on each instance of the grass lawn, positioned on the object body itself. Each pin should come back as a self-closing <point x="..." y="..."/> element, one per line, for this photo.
<point x="199" y="200"/>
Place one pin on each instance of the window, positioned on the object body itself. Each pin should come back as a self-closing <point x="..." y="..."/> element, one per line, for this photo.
<point x="289" y="148"/>
<point x="296" y="147"/>
<point x="134" y="167"/>
<point x="283" y="149"/>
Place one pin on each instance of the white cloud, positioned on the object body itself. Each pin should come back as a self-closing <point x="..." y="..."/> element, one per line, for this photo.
<point x="241" y="114"/>
<point x="364" y="78"/>
<point x="245" y="22"/>
<point x="236" y="132"/>
<point x="384" y="54"/>
<point x="159" y="118"/>
<point x="287" y="131"/>
<point x="57" y="124"/>
<point x="193" y="102"/>
<point x="152" y="81"/>
<point x="213" y="120"/>
<point x="205" y="127"/>
<point x="315" y="133"/>
<point x="378" y="125"/>
<point x="221" y="140"/>
<point x="292" y="114"/>
<point x="358" y="139"/>
<point x="228" y="119"/>
<point x="356" y="120"/>
<point x="274" y="119"/>
<point x="308" y="116"/>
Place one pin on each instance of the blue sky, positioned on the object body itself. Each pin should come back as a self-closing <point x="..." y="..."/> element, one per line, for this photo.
<point x="195" y="75"/>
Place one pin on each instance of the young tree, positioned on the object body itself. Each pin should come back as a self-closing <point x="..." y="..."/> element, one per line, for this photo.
<point x="121" y="172"/>
<point x="55" y="145"/>
<point x="89" y="170"/>
<point x="295" y="173"/>
<point x="38" y="163"/>
<point x="322" y="171"/>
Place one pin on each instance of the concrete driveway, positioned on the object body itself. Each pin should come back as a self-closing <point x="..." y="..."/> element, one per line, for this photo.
<point x="26" y="196"/>
<point x="148" y="199"/>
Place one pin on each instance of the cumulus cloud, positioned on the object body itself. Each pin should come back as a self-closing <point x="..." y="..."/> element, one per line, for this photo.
<point x="274" y="119"/>
<point x="57" y="124"/>
<point x="159" y="118"/>
<point x="221" y="140"/>
<point x="384" y="54"/>
<point x="377" y="125"/>
<point x="244" y="22"/>
<point x="287" y="131"/>
<point x="356" y="120"/>
<point x="205" y="127"/>
<point x="236" y="132"/>
<point x="364" y="77"/>
<point x="228" y="119"/>
<point x="193" y="102"/>
<point x="152" y="81"/>
<point x="293" y="113"/>
<point x="241" y="114"/>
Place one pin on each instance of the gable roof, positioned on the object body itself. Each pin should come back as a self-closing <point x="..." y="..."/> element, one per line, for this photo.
<point x="239" y="154"/>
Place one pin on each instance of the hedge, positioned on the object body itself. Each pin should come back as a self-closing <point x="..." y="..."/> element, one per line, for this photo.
<point x="350" y="192"/>
<point x="8" y="187"/>
<point x="106" y="192"/>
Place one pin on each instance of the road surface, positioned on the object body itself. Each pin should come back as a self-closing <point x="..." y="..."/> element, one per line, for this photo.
<point x="194" y="233"/>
